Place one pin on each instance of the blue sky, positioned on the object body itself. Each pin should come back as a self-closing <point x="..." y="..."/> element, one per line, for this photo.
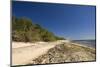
<point x="69" y="21"/>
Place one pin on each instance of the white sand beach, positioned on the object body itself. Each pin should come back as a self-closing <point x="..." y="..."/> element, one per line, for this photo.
<point x="23" y="53"/>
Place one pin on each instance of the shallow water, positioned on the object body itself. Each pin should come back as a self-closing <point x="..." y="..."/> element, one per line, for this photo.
<point x="90" y="43"/>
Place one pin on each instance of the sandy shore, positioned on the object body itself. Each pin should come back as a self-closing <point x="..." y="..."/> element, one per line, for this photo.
<point x="66" y="52"/>
<point x="25" y="53"/>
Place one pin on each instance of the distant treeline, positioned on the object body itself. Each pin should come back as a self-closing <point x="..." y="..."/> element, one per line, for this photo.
<point x="23" y="30"/>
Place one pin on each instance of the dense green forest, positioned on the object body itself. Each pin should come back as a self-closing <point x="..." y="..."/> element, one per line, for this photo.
<point x="24" y="30"/>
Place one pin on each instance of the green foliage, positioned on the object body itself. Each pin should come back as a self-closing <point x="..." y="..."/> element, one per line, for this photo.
<point x="23" y="30"/>
<point x="59" y="38"/>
